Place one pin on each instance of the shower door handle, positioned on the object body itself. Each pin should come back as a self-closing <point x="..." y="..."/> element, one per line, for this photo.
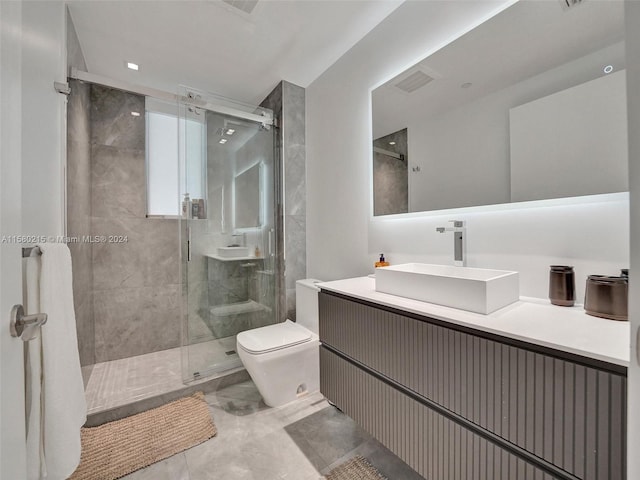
<point x="638" y="345"/>
<point x="188" y="244"/>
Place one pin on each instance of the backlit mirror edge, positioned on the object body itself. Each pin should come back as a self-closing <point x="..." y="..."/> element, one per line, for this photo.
<point x="601" y="198"/>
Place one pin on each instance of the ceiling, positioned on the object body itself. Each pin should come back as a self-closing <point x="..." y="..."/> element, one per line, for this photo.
<point x="212" y="46"/>
<point x="527" y="39"/>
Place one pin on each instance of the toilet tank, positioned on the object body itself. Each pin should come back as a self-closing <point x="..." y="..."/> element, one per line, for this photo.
<point x="307" y="303"/>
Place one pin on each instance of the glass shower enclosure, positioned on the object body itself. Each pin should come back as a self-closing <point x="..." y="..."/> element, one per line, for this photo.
<point x="227" y="230"/>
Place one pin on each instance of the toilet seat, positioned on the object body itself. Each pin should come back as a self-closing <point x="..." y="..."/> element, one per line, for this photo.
<point x="273" y="337"/>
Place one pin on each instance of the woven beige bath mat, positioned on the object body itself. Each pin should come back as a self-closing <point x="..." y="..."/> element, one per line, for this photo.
<point x="358" y="468"/>
<point x="118" y="448"/>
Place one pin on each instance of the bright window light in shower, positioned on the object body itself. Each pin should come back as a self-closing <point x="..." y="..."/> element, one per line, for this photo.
<point x="223" y="141"/>
<point x="133" y="66"/>
<point x="164" y="163"/>
<point x="135" y="114"/>
<point x="230" y="131"/>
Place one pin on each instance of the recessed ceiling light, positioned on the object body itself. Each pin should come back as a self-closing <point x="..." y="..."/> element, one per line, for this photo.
<point x="231" y="131"/>
<point x="223" y="141"/>
<point x="392" y="143"/>
<point x="608" y="69"/>
<point x="132" y="66"/>
<point x="135" y="114"/>
<point x="466" y="85"/>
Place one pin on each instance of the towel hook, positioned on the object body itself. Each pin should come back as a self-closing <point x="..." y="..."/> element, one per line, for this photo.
<point x="25" y="326"/>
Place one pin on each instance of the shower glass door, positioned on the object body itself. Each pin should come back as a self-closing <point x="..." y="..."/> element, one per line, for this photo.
<point x="227" y="229"/>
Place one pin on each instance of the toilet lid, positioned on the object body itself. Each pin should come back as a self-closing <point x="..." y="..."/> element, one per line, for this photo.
<point x="273" y="337"/>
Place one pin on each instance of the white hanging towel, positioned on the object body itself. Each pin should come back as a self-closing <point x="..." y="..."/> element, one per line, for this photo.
<point x="33" y="374"/>
<point x="53" y="442"/>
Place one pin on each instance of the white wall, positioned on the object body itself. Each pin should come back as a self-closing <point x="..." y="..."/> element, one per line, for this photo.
<point x="463" y="156"/>
<point x="632" y="13"/>
<point x="32" y="141"/>
<point x="571" y="143"/>
<point x="343" y="240"/>
<point x="44" y="117"/>
<point x="12" y="424"/>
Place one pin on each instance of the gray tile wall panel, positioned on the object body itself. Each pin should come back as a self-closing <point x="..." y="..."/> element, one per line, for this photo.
<point x="79" y="208"/>
<point x="568" y="414"/>
<point x="288" y="103"/>
<point x="134" y="284"/>
<point x="433" y="445"/>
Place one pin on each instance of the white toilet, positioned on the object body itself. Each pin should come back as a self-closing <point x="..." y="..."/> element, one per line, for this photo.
<point x="283" y="359"/>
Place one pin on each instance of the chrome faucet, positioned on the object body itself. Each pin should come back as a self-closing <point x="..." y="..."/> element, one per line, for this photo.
<point x="244" y="239"/>
<point x="459" y="241"/>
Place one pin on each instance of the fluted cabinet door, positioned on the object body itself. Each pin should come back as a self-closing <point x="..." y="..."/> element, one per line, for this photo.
<point x="428" y="442"/>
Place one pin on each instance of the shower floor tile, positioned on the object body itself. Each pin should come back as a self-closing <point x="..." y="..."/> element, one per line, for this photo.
<point x="121" y="382"/>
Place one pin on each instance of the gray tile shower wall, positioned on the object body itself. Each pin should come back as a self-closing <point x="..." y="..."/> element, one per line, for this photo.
<point x="288" y="103"/>
<point x="228" y="282"/>
<point x="195" y="277"/>
<point x="136" y="284"/>
<point x="118" y="181"/>
<point x="295" y="189"/>
<point x="111" y="121"/>
<point x="390" y="175"/>
<point x="233" y="297"/>
<point x="134" y="321"/>
<point x="274" y="102"/>
<point x="79" y="215"/>
<point x="147" y="259"/>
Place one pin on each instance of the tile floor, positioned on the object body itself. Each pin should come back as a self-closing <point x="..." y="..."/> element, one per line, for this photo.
<point x="299" y="441"/>
<point x="121" y="382"/>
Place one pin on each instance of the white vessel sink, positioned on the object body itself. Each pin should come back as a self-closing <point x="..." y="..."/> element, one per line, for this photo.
<point x="233" y="252"/>
<point x="477" y="290"/>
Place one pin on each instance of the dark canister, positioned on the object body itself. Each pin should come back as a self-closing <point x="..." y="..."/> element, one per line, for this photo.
<point x="607" y="297"/>
<point x="562" y="285"/>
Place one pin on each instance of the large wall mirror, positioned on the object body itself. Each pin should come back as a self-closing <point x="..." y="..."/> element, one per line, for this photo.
<point x="529" y="105"/>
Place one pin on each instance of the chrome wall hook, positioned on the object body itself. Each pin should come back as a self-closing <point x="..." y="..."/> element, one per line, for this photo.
<point x="25" y="326"/>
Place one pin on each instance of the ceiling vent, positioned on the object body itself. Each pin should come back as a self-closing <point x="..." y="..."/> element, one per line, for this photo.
<point x="567" y="4"/>
<point x="247" y="6"/>
<point x="413" y="82"/>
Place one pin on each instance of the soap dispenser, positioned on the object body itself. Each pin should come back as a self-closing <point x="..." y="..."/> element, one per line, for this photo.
<point x="382" y="262"/>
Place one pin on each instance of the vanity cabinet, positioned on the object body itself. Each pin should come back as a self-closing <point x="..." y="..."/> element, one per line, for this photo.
<point x="458" y="403"/>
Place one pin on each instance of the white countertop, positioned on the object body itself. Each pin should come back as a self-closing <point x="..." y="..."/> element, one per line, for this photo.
<point x="531" y="320"/>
